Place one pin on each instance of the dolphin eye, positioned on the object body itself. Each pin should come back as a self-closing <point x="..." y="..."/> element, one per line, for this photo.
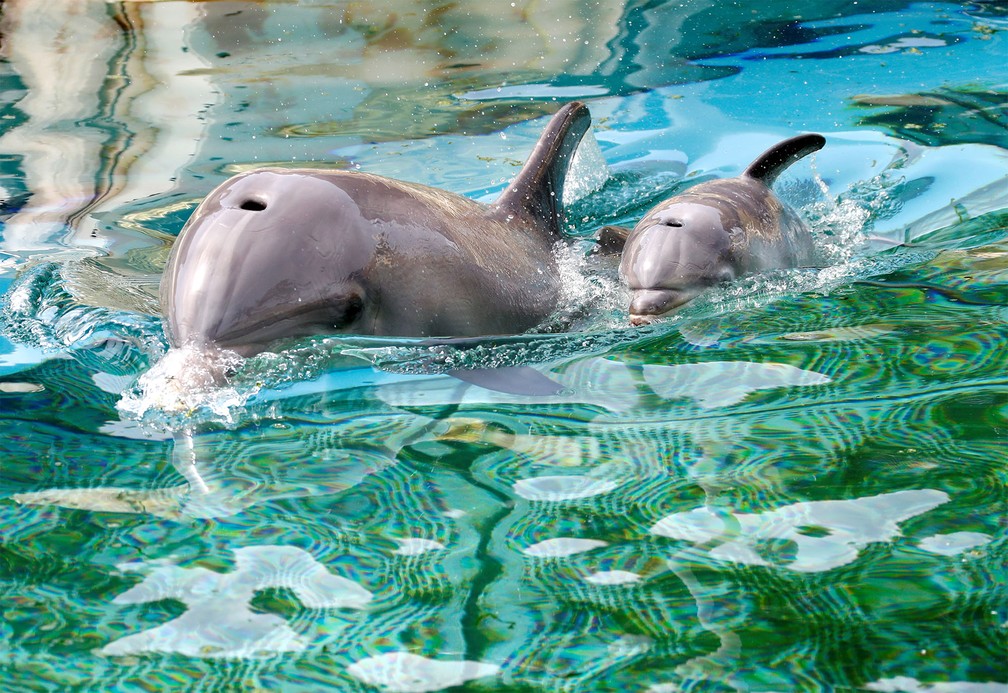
<point x="352" y="309"/>
<point x="253" y="205"/>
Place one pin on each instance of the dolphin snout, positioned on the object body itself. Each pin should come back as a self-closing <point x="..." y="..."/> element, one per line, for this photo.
<point x="648" y="304"/>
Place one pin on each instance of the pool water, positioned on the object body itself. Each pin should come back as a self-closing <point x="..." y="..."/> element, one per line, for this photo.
<point x="798" y="482"/>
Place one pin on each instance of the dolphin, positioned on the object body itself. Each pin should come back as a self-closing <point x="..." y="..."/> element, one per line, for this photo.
<point x="713" y="233"/>
<point x="276" y="253"/>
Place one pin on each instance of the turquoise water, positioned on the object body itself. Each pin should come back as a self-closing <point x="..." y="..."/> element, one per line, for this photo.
<point x="797" y="483"/>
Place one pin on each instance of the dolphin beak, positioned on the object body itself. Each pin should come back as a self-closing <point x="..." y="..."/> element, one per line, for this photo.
<point x="646" y="305"/>
<point x="638" y="320"/>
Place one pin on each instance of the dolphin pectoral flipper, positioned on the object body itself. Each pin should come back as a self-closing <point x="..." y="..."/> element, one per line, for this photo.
<point x="611" y="239"/>
<point x="537" y="190"/>
<point x="773" y="161"/>
<point x="513" y="380"/>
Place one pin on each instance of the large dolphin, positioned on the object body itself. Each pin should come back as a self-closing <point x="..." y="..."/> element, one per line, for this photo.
<point x="276" y="253"/>
<point x="713" y="233"/>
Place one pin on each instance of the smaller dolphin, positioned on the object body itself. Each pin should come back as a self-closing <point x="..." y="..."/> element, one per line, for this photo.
<point x="713" y="233"/>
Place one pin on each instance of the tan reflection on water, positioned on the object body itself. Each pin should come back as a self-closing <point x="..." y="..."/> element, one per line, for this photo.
<point x="121" y="98"/>
<point x="101" y="102"/>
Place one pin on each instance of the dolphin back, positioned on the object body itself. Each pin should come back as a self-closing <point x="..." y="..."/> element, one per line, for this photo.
<point x="775" y="160"/>
<point x="537" y="190"/>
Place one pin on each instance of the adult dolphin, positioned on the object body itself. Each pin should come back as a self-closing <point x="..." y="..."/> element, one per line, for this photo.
<point x="713" y="233"/>
<point x="276" y="253"/>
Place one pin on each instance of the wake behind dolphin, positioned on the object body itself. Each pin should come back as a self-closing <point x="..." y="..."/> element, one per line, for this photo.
<point x="277" y="253"/>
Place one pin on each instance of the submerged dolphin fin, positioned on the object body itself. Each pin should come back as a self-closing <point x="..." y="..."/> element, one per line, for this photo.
<point x="513" y="380"/>
<point x="537" y="190"/>
<point x="946" y="291"/>
<point x="773" y="161"/>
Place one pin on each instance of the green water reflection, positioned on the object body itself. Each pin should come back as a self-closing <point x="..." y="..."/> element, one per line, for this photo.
<point x="798" y="484"/>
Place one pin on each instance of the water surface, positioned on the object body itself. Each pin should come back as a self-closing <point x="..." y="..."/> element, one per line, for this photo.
<point x="797" y="483"/>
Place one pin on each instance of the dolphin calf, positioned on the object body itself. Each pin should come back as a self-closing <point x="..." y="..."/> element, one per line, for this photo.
<point x="276" y="253"/>
<point x="713" y="233"/>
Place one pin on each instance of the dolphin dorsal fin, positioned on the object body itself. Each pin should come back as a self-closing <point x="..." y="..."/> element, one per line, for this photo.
<point x="537" y="190"/>
<point x="773" y="161"/>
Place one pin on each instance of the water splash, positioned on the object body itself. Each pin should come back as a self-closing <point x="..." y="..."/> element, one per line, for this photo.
<point x="838" y="224"/>
<point x="592" y="297"/>
<point x="588" y="170"/>
<point x="187" y="385"/>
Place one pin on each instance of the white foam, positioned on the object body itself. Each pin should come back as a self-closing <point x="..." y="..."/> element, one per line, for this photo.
<point x="185" y="380"/>
<point x="585" y="292"/>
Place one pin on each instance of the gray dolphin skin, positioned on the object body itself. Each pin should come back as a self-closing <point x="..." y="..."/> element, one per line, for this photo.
<point x="713" y="233"/>
<point x="276" y="253"/>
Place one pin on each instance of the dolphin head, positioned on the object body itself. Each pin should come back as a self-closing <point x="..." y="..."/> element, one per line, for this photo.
<point x="673" y="254"/>
<point x="270" y="253"/>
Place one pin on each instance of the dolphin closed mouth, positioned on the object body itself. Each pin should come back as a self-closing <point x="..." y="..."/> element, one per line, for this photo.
<point x="646" y="305"/>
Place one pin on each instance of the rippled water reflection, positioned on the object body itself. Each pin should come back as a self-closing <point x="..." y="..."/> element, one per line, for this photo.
<point x="797" y="483"/>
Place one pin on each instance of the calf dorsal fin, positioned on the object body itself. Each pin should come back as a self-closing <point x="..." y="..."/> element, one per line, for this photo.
<point x="773" y="161"/>
<point x="537" y="190"/>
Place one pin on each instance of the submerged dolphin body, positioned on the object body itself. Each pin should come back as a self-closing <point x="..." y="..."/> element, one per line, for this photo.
<point x="277" y="253"/>
<point x="713" y="233"/>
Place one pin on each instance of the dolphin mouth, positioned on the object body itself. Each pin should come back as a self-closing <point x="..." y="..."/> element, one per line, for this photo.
<point x="248" y="337"/>
<point x="640" y="320"/>
<point x="647" y="305"/>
